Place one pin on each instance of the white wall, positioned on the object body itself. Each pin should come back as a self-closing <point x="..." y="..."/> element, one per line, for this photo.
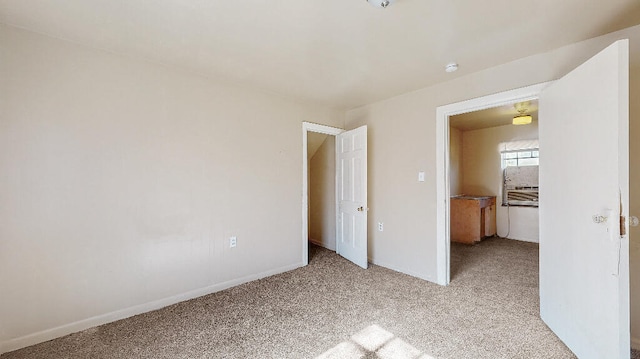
<point x="634" y="209"/>
<point x="455" y="161"/>
<point x="482" y="175"/>
<point x="322" y="195"/>
<point x="402" y="142"/>
<point x="122" y="181"/>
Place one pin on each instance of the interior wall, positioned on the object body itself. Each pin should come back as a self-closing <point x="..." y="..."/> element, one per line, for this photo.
<point x="122" y="181"/>
<point x="314" y="141"/>
<point x="482" y="168"/>
<point x="634" y="208"/>
<point x="322" y="195"/>
<point x="402" y="142"/>
<point x="455" y="162"/>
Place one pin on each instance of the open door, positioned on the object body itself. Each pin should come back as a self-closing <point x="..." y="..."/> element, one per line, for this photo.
<point x="351" y="172"/>
<point x="584" y="199"/>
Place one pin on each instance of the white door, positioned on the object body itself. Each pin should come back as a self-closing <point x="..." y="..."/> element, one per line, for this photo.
<point x="584" y="189"/>
<point x="351" y="171"/>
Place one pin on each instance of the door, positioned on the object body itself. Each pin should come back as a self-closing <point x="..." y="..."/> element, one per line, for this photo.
<point x="351" y="172"/>
<point x="584" y="189"/>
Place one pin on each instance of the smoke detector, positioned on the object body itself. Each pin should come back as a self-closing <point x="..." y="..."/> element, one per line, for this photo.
<point x="451" y="67"/>
<point x="380" y="3"/>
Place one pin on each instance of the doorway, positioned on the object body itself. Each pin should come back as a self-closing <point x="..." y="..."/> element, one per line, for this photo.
<point x="314" y="134"/>
<point x="493" y="181"/>
<point x="350" y="192"/>
<point x="322" y="181"/>
<point x="443" y="162"/>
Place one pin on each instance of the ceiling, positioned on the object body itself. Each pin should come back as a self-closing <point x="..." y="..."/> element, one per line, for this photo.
<point x="337" y="53"/>
<point x="491" y="117"/>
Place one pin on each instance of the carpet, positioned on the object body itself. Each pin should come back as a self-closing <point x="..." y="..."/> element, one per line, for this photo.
<point x="334" y="309"/>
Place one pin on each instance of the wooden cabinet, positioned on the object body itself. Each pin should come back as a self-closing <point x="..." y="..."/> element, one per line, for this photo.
<point x="472" y="218"/>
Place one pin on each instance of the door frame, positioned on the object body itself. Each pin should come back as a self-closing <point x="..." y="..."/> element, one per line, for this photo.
<point x="443" y="242"/>
<point x="327" y="130"/>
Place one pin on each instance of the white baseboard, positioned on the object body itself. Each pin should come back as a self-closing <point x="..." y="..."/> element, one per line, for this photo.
<point x="320" y="244"/>
<point x="526" y="240"/>
<point x="316" y="242"/>
<point x="401" y="270"/>
<point x="45" y="335"/>
<point x="635" y="343"/>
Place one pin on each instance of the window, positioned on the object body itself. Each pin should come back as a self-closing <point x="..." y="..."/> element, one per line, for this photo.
<point x="520" y="158"/>
<point x="520" y="174"/>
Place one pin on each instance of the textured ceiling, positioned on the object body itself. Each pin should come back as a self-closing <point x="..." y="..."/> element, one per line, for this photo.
<point x="339" y="53"/>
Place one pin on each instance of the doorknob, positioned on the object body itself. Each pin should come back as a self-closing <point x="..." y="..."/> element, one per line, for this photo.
<point x="361" y="209"/>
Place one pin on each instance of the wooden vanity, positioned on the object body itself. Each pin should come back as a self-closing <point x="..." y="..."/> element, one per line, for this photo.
<point x="472" y="218"/>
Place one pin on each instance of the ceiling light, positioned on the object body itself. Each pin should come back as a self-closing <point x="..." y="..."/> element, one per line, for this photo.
<point x="380" y="3"/>
<point x="451" y="67"/>
<point x="522" y="118"/>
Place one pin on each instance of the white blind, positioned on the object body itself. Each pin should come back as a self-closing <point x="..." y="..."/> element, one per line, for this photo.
<point x="519" y="145"/>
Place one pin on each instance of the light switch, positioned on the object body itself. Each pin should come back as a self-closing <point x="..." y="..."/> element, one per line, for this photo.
<point x="421" y="176"/>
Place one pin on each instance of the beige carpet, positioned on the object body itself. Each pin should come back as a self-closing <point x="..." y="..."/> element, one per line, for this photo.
<point x="333" y="309"/>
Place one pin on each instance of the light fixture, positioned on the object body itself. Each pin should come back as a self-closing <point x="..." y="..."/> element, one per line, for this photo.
<point x="380" y="3"/>
<point x="522" y="118"/>
<point x="451" y="67"/>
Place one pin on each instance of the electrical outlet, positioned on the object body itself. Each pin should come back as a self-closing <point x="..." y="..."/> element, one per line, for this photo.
<point x="233" y="241"/>
<point x="380" y="226"/>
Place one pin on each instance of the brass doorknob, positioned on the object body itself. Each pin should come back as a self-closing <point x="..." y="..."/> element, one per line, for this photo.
<point x="360" y="209"/>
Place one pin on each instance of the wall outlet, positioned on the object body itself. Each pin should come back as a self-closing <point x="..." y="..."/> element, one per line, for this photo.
<point x="380" y="226"/>
<point x="233" y="241"/>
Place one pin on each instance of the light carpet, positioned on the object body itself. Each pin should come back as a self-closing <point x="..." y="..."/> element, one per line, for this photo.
<point x="333" y="309"/>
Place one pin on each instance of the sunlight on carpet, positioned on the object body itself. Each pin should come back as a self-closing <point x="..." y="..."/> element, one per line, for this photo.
<point x="376" y="343"/>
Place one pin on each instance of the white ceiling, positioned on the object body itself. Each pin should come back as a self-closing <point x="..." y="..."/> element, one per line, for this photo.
<point x="339" y="53"/>
<point x="491" y="117"/>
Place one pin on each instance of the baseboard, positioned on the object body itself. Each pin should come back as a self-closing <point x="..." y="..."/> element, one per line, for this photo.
<point x="320" y="244"/>
<point x="521" y="239"/>
<point x="316" y="242"/>
<point x="57" y="332"/>
<point x="525" y="240"/>
<point x="635" y="343"/>
<point x="401" y="270"/>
